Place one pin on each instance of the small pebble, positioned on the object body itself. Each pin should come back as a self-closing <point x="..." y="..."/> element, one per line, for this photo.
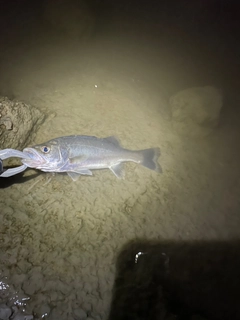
<point x="80" y="314"/>
<point x="45" y="310"/>
<point x="22" y="316"/>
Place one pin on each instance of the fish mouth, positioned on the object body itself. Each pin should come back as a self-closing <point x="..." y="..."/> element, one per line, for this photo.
<point x="33" y="158"/>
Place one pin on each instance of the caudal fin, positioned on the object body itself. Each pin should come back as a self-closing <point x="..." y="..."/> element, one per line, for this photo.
<point x="150" y="159"/>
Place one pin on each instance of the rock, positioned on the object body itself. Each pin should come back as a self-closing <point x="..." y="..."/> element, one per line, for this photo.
<point x="58" y="285"/>
<point x="57" y="314"/>
<point x="22" y="316"/>
<point x="95" y="316"/>
<point x="43" y="310"/>
<point x="18" y="279"/>
<point x="18" y="297"/>
<point x="34" y="282"/>
<point x="70" y="18"/>
<point x="195" y="111"/>
<point x="5" y="289"/>
<point x="80" y="314"/>
<point x="5" y="312"/>
<point x="18" y="122"/>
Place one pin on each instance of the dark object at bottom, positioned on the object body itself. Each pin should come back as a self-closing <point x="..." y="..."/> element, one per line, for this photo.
<point x="1" y="166"/>
<point x="177" y="280"/>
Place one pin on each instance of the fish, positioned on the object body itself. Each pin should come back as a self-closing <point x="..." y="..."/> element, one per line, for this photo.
<point x="78" y="154"/>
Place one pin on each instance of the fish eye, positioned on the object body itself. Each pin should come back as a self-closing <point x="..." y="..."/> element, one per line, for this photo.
<point x="45" y="149"/>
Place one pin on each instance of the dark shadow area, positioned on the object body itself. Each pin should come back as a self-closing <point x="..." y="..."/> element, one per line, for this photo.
<point x="181" y="43"/>
<point x="167" y="280"/>
<point x="185" y="43"/>
<point x="17" y="179"/>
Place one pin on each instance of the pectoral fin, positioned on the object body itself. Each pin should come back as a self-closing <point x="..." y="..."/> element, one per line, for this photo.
<point x="76" y="174"/>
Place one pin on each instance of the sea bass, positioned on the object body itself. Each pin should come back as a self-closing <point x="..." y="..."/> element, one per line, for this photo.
<point x="78" y="155"/>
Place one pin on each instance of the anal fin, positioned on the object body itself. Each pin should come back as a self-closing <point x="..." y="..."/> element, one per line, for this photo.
<point x="117" y="169"/>
<point x="76" y="174"/>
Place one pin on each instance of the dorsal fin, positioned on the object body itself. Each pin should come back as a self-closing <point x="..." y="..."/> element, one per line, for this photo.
<point x="113" y="140"/>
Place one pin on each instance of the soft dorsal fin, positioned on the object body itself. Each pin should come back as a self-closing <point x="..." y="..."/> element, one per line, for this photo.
<point x="113" y="140"/>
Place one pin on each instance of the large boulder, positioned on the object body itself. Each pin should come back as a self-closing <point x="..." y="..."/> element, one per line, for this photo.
<point x="71" y="18"/>
<point x="18" y="123"/>
<point x="195" y="112"/>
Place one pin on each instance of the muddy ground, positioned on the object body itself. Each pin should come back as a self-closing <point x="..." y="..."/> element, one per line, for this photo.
<point x="60" y="240"/>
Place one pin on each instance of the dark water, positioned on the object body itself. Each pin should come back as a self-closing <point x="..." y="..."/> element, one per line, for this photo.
<point x="181" y="279"/>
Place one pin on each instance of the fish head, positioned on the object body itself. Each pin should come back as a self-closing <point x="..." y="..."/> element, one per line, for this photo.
<point x="49" y="156"/>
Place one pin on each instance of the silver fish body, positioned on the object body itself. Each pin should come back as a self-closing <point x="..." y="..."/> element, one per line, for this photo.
<point x="78" y="155"/>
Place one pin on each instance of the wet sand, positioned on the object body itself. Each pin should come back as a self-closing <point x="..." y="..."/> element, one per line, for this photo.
<point x="61" y="239"/>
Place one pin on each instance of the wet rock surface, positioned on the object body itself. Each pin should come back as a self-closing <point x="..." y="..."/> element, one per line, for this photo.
<point x="18" y="123"/>
<point x="195" y="111"/>
<point x="5" y="312"/>
<point x="16" y="305"/>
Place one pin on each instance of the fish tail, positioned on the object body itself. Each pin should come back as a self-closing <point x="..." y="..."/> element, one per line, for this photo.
<point x="150" y="159"/>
